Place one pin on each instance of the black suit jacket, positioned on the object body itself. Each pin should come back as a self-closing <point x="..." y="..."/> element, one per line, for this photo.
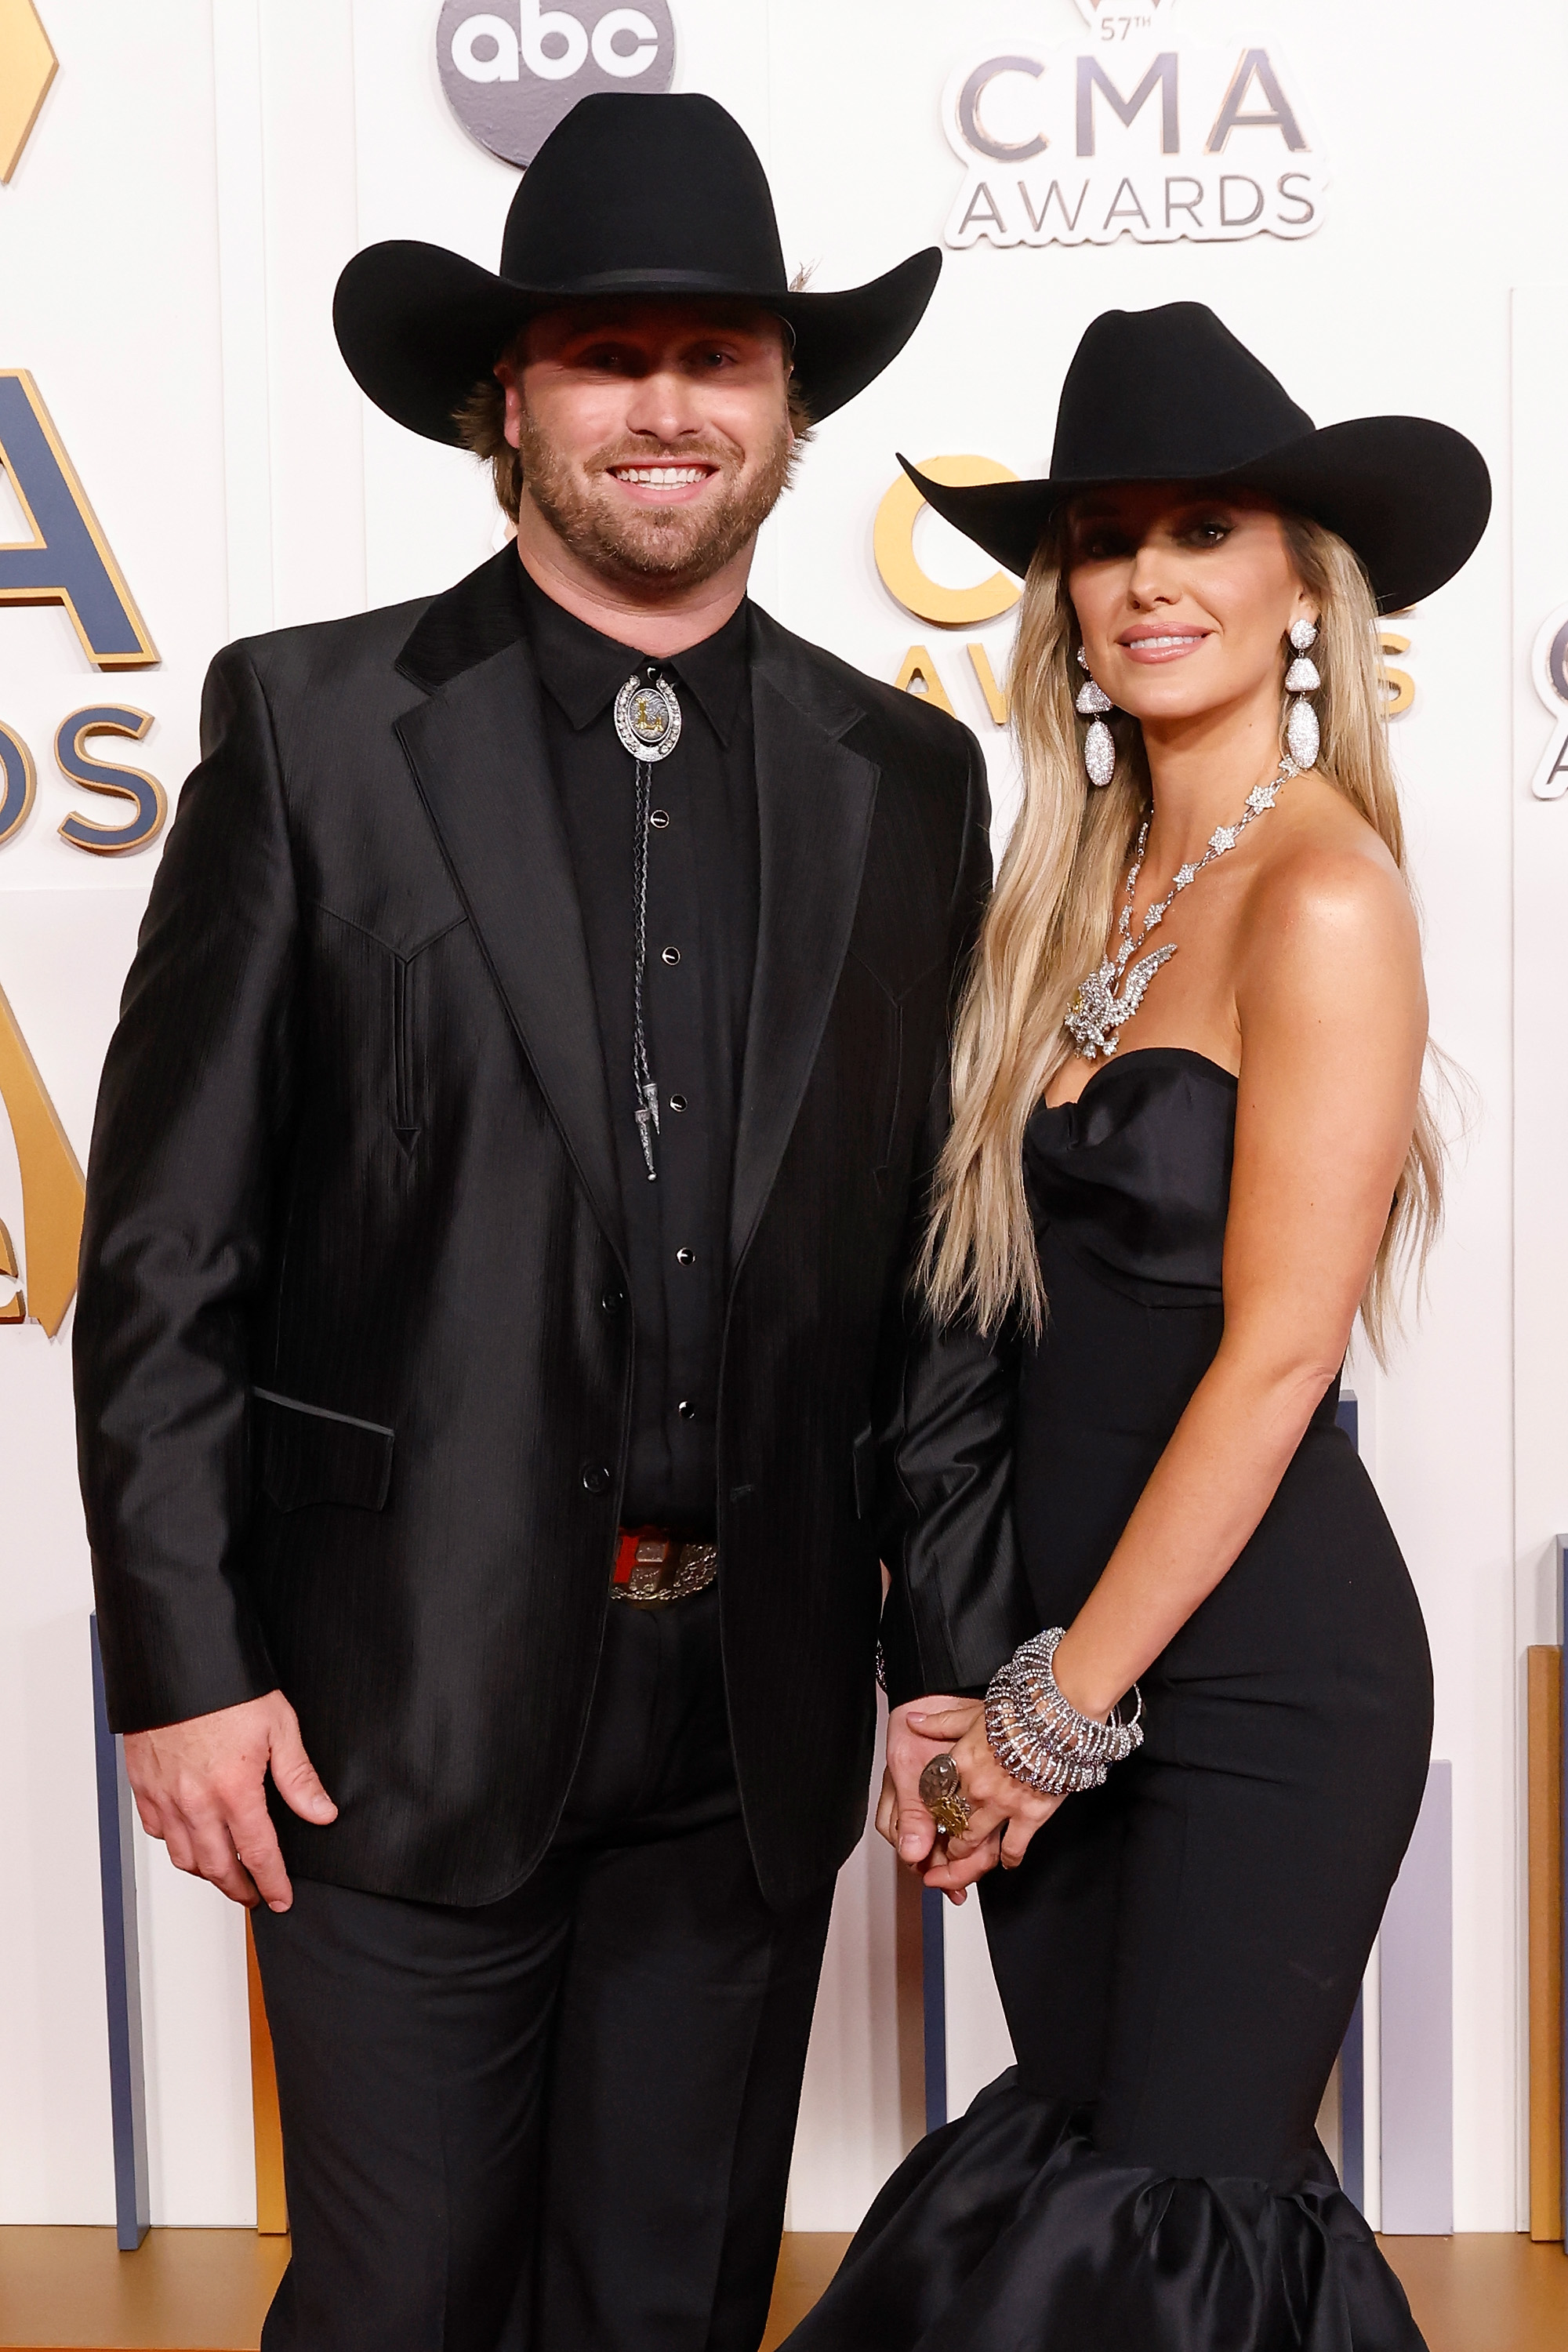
<point x="353" y="1344"/>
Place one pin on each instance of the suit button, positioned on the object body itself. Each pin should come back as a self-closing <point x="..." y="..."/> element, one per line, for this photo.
<point x="686" y="1409"/>
<point x="684" y="1258"/>
<point x="659" y="819"/>
<point x="596" y="1478"/>
<point x="678" y="1102"/>
<point x="613" y="1301"/>
<point x="671" y="955"/>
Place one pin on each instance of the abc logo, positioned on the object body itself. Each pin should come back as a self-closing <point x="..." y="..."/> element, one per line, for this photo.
<point x="511" y="73"/>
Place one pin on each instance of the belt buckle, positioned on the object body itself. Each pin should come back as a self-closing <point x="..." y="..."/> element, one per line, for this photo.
<point x="652" y="1567"/>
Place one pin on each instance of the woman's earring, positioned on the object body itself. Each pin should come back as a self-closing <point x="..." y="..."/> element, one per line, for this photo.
<point x="1098" y="744"/>
<point x="1301" y="680"/>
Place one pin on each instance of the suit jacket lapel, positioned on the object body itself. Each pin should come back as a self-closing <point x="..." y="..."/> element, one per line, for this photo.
<point x="478" y="752"/>
<point x="814" y="801"/>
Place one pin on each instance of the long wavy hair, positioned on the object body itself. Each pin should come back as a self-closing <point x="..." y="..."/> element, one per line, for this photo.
<point x="1050" y="916"/>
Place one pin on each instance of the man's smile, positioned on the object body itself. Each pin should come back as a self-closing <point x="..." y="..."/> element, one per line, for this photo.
<point x="663" y="485"/>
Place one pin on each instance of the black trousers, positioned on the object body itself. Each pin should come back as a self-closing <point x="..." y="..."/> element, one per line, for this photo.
<point x="562" y="2122"/>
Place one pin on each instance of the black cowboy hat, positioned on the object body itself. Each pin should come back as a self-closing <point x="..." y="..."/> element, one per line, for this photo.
<point x="1170" y="395"/>
<point x="633" y="194"/>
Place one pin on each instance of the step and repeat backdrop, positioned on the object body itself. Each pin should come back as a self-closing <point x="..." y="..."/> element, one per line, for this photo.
<point x="1372" y="196"/>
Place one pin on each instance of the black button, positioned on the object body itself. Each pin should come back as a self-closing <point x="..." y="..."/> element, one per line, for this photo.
<point x="613" y="1301"/>
<point x="686" y="1411"/>
<point x="596" y="1478"/>
<point x="678" y="1102"/>
<point x="684" y="1258"/>
<point x="659" y="819"/>
<point x="671" y="955"/>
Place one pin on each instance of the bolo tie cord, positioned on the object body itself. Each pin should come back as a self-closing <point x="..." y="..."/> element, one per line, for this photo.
<point x="647" y="721"/>
<point x="645" y="1089"/>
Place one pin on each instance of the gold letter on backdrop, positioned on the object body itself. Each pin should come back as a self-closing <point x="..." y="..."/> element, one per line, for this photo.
<point x="917" y="675"/>
<point x="52" y="1190"/>
<point x="996" y="696"/>
<point x="1400" y="684"/>
<point x="67" y="560"/>
<point x="15" y="1308"/>
<point x="27" y="66"/>
<point x="893" y="545"/>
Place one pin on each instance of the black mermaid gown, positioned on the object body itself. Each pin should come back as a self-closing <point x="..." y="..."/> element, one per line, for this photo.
<point x="1179" y="1954"/>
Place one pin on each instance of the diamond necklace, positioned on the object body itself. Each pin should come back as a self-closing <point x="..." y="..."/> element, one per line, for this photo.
<point x="1108" y="998"/>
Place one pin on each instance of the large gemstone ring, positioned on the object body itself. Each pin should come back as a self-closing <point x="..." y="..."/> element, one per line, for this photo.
<point x="941" y="1794"/>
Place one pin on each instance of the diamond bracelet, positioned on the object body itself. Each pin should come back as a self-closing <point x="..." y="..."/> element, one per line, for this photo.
<point x="1040" y="1737"/>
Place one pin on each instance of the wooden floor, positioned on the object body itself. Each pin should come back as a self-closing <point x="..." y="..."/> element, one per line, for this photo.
<point x="182" y="2291"/>
<point x="206" y="2290"/>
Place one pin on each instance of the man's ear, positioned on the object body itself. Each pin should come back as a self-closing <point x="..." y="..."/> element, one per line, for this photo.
<point x="508" y="375"/>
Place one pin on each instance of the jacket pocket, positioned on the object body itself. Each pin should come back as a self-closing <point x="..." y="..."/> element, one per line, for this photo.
<point x="864" y="1457"/>
<point x="309" y="1456"/>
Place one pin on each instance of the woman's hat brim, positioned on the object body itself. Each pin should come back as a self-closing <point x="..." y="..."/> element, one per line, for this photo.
<point x="419" y="326"/>
<point x="1411" y="497"/>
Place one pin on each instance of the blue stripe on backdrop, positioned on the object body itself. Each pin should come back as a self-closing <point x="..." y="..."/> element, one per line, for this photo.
<point x="934" y="1995"/>
<point x="121" y="1970"/>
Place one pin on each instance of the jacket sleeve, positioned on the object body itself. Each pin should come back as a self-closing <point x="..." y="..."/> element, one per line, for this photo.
<point x="957" y="1603"/>
<point x="185" y="1150"/>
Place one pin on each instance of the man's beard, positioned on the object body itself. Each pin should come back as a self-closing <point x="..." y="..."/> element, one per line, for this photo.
<point x="679" y="546"/>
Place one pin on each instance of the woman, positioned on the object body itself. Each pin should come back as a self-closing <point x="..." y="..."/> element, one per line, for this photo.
<point x="1187" y="1089"/>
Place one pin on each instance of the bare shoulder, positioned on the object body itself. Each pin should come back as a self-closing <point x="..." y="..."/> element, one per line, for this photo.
<point x="1328" y="927"/>
<point x="1326" y="888"/>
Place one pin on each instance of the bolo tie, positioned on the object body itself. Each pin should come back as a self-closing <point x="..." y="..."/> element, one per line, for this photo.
<point x="648" y="720"/>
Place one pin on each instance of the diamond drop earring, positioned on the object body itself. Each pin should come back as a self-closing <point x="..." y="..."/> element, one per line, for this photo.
<point x="1098" y="744"/>
<point x="1301" y="680"/>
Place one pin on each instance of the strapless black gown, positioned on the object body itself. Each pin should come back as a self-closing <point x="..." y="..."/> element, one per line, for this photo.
<point x="1180" y="1953"/>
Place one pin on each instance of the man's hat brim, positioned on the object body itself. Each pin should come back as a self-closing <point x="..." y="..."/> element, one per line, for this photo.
<point x="1411" y="497"/>
<point x="420" y="326"/>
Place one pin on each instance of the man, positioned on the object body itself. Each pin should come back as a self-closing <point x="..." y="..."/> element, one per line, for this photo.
<point x="489" y="1345"/>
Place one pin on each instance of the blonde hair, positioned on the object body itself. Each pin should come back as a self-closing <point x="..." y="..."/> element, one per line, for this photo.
<point x="1051" y="916"/>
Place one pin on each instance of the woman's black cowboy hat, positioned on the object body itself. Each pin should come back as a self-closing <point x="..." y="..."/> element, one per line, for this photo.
<point x="1170" y="395"/>
<point x="634" y="194"/>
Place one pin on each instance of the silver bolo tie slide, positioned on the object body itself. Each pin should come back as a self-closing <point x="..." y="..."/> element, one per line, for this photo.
<point x="648" y="720"/>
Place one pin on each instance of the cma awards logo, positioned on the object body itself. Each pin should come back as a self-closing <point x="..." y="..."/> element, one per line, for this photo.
<point x="63" y="560"/>
<point x="511" y="74"/>
<point x="1130" y="131"/>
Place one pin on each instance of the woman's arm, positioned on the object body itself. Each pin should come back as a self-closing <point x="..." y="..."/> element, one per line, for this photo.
<point x="1333" y="1021"/>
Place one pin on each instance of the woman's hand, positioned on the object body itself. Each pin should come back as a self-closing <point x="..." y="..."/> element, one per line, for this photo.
<point x="1003" y="1813"/>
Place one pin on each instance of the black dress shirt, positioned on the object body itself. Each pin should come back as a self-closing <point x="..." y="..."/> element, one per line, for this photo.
<point x="703" y="889"/>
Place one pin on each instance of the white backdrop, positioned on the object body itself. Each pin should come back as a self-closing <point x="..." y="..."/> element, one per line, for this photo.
<point x="168" y="247"/>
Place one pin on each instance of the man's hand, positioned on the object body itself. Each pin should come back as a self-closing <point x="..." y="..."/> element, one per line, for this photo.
<point x="901" y="1818"/>
<point x="199" y="1787"/>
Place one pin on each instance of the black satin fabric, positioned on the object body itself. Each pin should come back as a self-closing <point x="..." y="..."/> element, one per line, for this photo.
<point x="354" y="1352"/>
<point x="1180" y="1953"/>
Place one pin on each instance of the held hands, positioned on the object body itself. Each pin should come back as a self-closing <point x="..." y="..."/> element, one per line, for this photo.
<point x="1004" y="1814"/>
<point x="199" y="1787"/>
